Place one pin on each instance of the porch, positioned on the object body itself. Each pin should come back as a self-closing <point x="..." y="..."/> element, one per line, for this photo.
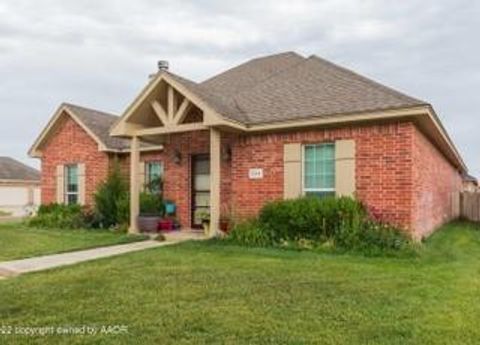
<point x="167" y="113"/>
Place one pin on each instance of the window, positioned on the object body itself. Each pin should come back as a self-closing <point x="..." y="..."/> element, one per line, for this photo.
<point x="319" y="170"/>
<point x="153" y="177"/>
<point x="71" y="184"/>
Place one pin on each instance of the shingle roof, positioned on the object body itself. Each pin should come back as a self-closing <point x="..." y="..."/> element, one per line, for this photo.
<point x="469" y="178"/>
<point x="99" y="123"/>
<point x="288" y="86"/>
<point x="10" y="169"/>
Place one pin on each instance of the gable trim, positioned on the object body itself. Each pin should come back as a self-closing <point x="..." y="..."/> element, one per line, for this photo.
<point x="35" y="150"/>
<point x="211" y="116"/>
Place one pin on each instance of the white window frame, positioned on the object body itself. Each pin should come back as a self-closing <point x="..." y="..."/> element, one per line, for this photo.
<point x="66" y="193"/>
<point x="315" y="190"/>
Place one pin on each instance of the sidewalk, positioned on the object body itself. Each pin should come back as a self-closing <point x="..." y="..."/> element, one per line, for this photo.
<point x="17" y="267"/>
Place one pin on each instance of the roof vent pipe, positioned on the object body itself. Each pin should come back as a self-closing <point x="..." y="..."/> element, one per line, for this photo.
<point x="162" y="65"/>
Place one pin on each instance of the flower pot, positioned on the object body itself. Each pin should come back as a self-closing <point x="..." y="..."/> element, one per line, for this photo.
<point x="166" y="225"/>
<point x="224" y="225"/>
<point x="148" y="223"/>
<point x="206" y="227"/>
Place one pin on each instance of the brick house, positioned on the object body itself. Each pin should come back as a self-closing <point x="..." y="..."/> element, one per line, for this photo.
<point x="274" y="127"/>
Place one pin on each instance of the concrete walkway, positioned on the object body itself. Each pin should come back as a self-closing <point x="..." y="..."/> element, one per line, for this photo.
<point x="40" y="263"/>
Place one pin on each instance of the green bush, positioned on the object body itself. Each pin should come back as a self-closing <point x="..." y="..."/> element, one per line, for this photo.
<point x="111" y="201"/>
<point x="306" y="223"/>
<point x="123" y="209"/>
<point x="250" y="233"/>
<point x="151" y="204"/>
<point x="373" y="237"/>
<point x="60" y="216"/>
<point x="310" y="218"/>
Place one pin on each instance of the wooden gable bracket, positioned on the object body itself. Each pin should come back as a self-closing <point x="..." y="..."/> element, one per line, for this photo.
<point x="160" y="112"/>
<point x="175" y="114"/>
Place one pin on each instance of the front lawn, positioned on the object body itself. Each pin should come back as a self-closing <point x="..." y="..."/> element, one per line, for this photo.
<point x="18" y="241"/>
<point x="208" y="293"/>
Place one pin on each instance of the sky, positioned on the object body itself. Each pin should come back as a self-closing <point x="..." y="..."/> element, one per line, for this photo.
<point x="99" y="53"/>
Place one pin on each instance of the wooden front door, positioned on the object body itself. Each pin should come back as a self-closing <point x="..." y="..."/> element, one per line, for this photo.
<point x="200" y="189"/>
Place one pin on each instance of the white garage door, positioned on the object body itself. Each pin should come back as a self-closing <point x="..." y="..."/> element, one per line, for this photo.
<point x="13" y="196"/>
<point x="13" y="200"/>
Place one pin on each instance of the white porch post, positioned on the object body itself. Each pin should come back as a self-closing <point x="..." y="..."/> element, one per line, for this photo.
<point x="134" y="187"/>
<point x="214" y="181"/>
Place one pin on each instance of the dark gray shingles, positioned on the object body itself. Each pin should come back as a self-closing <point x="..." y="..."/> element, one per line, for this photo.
<point x="11" y="169"/>
<point x="99" y="123"/>
<point x="288" y="87"/>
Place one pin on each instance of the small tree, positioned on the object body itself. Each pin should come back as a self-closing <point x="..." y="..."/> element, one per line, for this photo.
<point x="110" y="200"/>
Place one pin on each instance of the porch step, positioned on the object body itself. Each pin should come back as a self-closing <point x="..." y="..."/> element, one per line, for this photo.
<point x="184" y="235"/>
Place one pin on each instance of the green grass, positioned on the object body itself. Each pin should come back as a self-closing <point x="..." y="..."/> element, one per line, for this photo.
<point x="4" y="214"/>
<point x="207" y="293"/>
<point x="19" y="241"/>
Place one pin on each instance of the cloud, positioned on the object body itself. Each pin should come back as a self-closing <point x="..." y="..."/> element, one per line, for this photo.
<point x="99" y="53"/>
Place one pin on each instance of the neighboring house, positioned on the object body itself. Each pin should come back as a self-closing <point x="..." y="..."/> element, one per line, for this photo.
<point x="280" y="126"/>
<point x="19" y="187"/>
<point x="470" y="184"/>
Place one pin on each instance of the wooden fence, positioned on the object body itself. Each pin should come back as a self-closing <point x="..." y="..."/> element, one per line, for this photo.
<point x="470" y="206"/>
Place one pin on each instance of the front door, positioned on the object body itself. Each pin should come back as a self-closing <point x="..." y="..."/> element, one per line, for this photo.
<point x="200" y="189"/>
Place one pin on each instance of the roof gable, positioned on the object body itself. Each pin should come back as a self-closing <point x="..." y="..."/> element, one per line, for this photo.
<point x="95" y="123"/>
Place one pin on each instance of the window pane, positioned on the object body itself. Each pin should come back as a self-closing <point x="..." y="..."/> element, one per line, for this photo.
<point x="320" y="194"/>
<point x="202" y="182"/>
<point x="72" y="178"/>
<point x="329" y="182"/>
<point x="329" y="151"/>
<point x="310" y="181"/>
<point x="309" y="168"/>
<point x="309" y="153"/>
<point x="202" y="199"/>
<point x="319" y="166"/>
<point x="72" y="199"/>
<point x="154" y="171"/>
<point x="202" y="166"/>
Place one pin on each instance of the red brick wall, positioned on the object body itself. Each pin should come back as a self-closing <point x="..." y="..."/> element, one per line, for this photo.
<point x="436" y="184"/>
<point x="69" y="145"/>
<point x="400" y="175"/>
<point x="383" y="167"/>
<point x="177" y="183"/>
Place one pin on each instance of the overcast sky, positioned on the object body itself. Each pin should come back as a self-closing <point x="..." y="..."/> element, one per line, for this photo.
<point x="99" y="53"/>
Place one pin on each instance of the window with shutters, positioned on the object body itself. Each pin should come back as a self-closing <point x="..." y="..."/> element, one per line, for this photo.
<point x="153" y="177"/>
<point x="319" y="170"/>
<point x="71" y="184"/>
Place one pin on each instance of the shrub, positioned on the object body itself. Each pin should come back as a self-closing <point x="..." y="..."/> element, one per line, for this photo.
<point x="373" y="237"/>
<point x="250" y="233"/>
<point x="111" y="201"/>
<point x="310" y="217"/>
<point x="151" y="204"/>
<point x="123" y="209"/>
<point x="333" y="223"/>
<point x="60" y="216"/>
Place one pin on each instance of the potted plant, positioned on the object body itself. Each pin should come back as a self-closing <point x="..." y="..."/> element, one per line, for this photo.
<point x="169" y="222"/>
<point x="151" y="211"/>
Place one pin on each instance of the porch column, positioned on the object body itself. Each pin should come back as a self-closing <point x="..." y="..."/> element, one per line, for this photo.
<point x="134" y="188"/>
<point x="214" y="181"/>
